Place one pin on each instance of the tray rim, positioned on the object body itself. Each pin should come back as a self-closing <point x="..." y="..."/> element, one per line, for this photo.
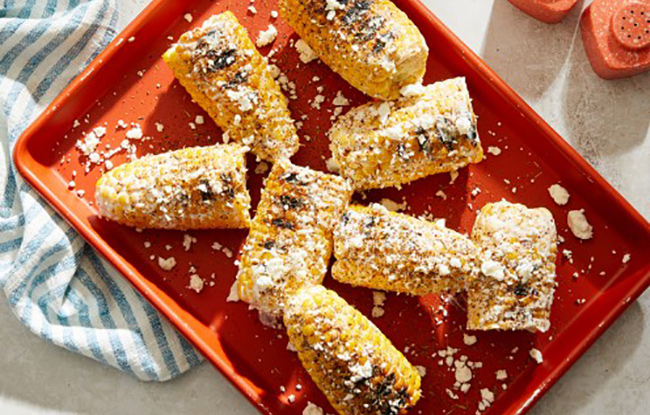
<point x="23" y="162"/>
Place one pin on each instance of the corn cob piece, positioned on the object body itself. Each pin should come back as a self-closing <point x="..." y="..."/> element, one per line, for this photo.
<point x="290" y="242"/>
<point x="514" y="290"/>
<point x="223" y="72"/>
<point x="193" y="188"/>
<point x="388" y="251"/>
<point x="371" y="43"/>
<point x="348" y="357"/>
<point x="433" y="130"/>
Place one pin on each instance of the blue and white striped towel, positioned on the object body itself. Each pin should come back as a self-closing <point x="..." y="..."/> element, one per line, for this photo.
<point x="57" y="285"/>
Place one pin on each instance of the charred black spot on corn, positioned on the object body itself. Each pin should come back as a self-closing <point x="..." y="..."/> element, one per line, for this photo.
<point x="292" y="178"/>
<point x="521" y="290"/>
<point x="446" y="131"/>
<point x="238" y="79"/>
<point x="290" y="202"/>
<point x="268" y="245"/>
<point x="356" y="11"/>
<point x="281" y="223"/>
<point x="218" y="60"/>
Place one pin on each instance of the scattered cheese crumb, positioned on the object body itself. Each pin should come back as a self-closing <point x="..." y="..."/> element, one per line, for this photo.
<point x="199" y="119"/>
<point x="167" y="264"/>
<point x="312" y="409"/>
<point x="453" y="176"/>
<point x="469" y="339"/>
<point x="340" y="100"/>
<point x="135" y="133"/>
<point x="188" y="17"/>
<point x="537" y="355"/>
<point x="274" y="14"/>
<point x="626" y="258"/>
<point x="252" y="9"/>
<point x="495" y="151"/>
<point x="188" y="240"/>
<point x="160" y="127"/>
<point x="306" y="53"/>
<point x="502" y="375"/>
<point x="267" y="36"/>
<point x="579" y="225"/>
<point x="559" y="194"/>
<point x="421" y="370"/>
<point x="196" y="283"/>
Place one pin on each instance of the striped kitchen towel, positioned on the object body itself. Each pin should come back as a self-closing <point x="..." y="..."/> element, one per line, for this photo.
<point x="56" y="284"/>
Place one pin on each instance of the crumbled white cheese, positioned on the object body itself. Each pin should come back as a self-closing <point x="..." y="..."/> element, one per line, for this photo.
<point x="469" y="339"/>
<point x="252" y="9"/>
<point x="493" y="269"/>
<point x="502" y="375"/>
<point x="274" y="14"/>
<point x="559" y="194"/>
<point x="421" y="370"/>
<point x="312" y="409"/>
<point x="267" y="36"/>
<point x="196" y="283"/>
<point x="306" y="53"/>
<point x="340" y="100"/>
<point x="392" y="205"/>
<point x="495" y="151"/>
<point x="167" y="264"/>
<point x="108" y="164"/>
<point x="413" y="90"/>
<point x="537" y="355"/>
<point x="453" y="175"/>
<point x="626" y="258"/>
<point x="463" y="374"/>
<point x="332" y="165"/>
<point x="188" y="240"/>
<point x="160" y="127"/>
<point x="579" y="225"/>
<point x="135" y="133"/>
<point x="384" y="112"/>
<point x="199" y="119"/>
<point x="188" y="17"/>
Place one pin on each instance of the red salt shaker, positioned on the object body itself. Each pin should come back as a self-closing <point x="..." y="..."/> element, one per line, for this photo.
<point x="548" y="11"/>
<point x="616" y="36"/>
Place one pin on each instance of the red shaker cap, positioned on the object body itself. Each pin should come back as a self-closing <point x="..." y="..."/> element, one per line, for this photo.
<point x="631" y="25"/>
<point x="616" y="36"/>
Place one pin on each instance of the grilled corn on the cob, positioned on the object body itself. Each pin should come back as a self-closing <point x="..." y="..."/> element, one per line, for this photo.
<point x="290" y="241"/>
<point x="388" y="251"/>
<point x="514" y="289"/>
<point x="391" y="143"/>
<point x="348" y="357"/>
<point x="223" y="72"/>
<point x="193" y="188"/>
<point x="371" y="43"/>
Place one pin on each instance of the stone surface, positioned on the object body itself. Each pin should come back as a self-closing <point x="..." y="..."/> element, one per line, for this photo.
<point x="605" y="121"/>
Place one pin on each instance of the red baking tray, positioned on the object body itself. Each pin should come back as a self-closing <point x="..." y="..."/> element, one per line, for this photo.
<point x="129" y="82"/>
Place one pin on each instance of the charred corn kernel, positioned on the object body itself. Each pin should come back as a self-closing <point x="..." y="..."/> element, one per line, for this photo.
<point x="290" y="241"/>
<point x="432" y="130"/>
<point x="515" y="287"/>
<point x="348" y="357"/>
<point x="388" y="251"/>
<point x="371" y="43"/>
<point x="223" y="72"/>
<point x="193" y="188"/>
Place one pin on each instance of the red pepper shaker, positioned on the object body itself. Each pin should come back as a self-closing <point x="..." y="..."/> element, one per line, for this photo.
<point x="616" y="36"/>
<point x="548" y="11"/>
